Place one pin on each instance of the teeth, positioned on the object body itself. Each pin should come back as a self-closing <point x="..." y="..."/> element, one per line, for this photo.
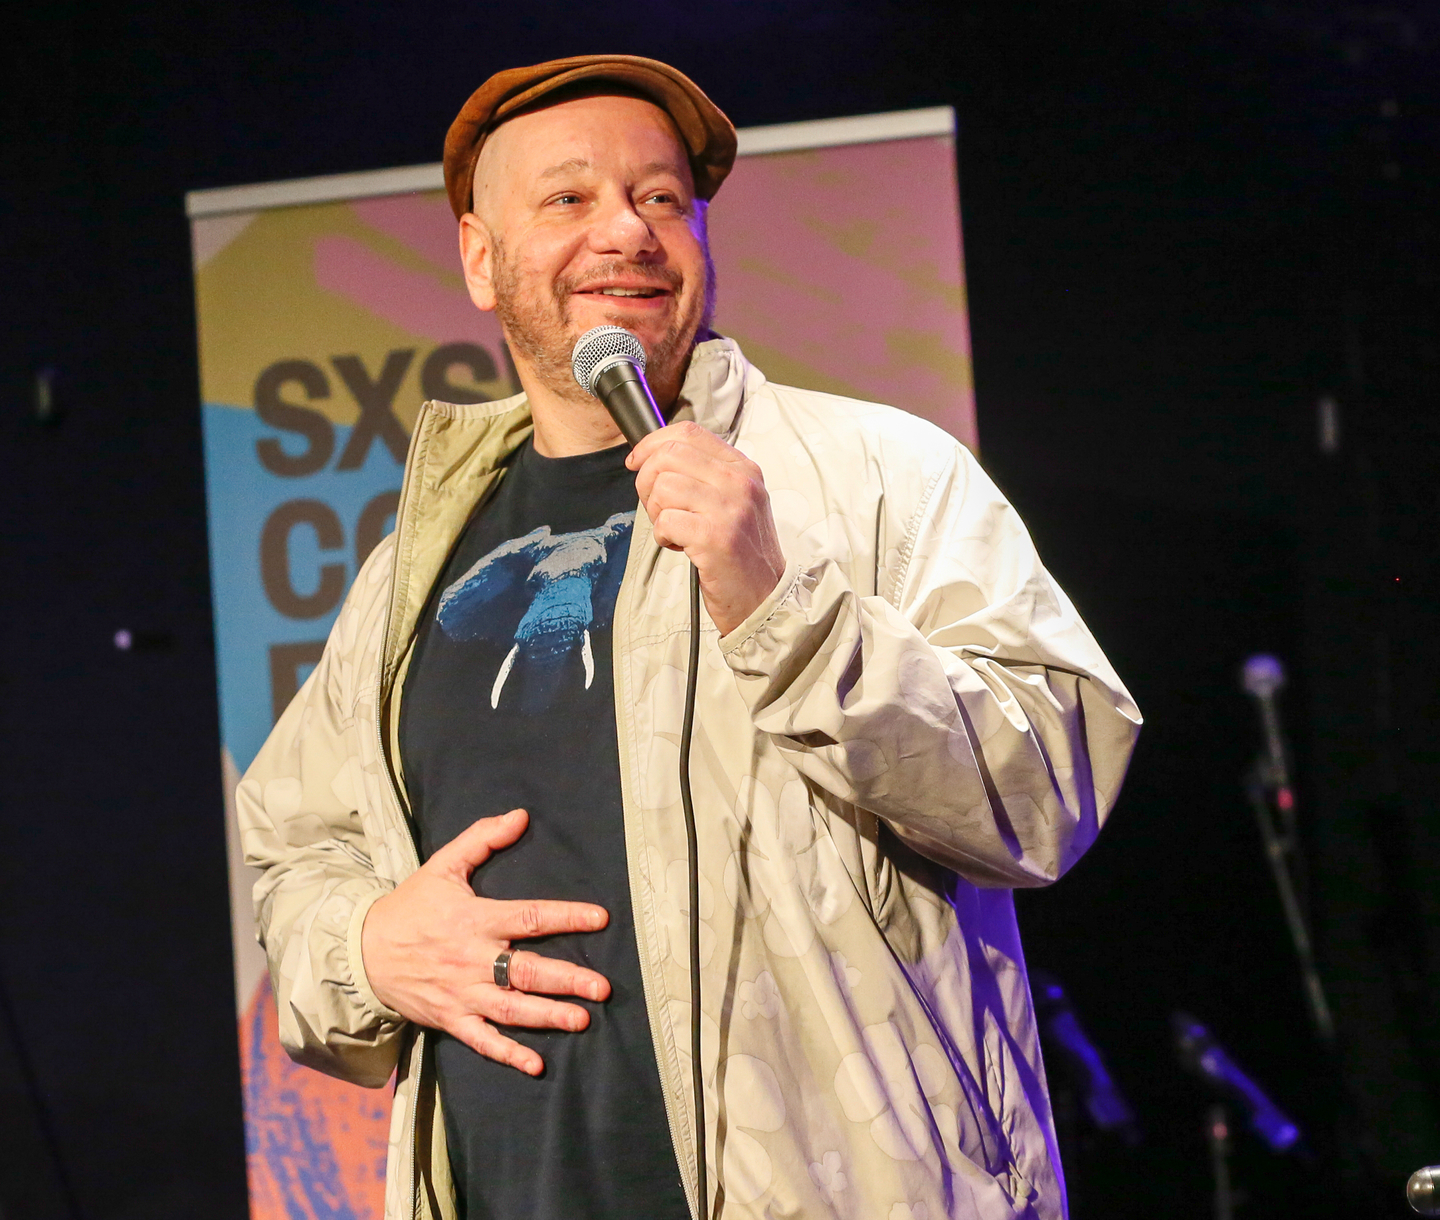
<point x="627" y="292"/>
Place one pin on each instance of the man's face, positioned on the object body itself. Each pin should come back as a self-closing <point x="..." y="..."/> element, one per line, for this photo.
<point x="586" y="215"/>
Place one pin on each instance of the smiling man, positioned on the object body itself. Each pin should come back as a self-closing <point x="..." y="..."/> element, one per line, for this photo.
<point x="469" y="819"/>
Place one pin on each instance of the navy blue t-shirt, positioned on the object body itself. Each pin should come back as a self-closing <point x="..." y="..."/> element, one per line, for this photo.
<point x="509" y="703"/>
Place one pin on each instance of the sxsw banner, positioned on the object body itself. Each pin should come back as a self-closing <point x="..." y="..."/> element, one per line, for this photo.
<point x="329" y="309"/>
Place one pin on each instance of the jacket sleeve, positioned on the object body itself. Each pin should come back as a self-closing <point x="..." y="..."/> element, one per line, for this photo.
<point x="966" y="704"/>
<point x="300" y="824"/>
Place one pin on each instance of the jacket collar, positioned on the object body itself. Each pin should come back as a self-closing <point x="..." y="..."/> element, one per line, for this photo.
<point x="716" y="385"/>
<point x="457" y="453"/>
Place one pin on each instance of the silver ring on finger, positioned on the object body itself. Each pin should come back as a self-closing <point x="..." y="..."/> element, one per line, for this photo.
<point x="502" y="968"/>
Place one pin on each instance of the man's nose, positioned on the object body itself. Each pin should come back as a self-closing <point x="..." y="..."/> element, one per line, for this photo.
<point x="620" y="230"/>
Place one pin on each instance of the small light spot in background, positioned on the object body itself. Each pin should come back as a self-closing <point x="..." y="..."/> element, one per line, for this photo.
<point x="126" y="640"/>
<point x="1327" y="419"/>
<point x="44" y="407"/>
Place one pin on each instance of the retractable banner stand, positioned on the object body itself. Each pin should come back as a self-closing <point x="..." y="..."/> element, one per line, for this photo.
<point x="329" y="309"/>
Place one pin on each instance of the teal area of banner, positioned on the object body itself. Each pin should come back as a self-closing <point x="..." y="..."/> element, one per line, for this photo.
<point x="252" y="632"/>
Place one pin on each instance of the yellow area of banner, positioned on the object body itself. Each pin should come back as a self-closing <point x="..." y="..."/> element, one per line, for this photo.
<point x="259" y="299"/>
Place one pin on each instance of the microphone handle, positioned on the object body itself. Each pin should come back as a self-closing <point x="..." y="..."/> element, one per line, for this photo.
<point x="622" y="389"/>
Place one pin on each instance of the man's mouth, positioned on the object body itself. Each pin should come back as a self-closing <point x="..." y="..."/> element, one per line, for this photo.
<point x="627" y="292"/>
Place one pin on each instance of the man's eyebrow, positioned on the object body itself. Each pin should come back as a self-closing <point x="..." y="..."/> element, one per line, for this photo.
<point x="579" y="165"/>
<point x="662" y="167"/>
<point x="573" y="165"/>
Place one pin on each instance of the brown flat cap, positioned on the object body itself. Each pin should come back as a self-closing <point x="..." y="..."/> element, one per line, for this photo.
<point x="709" y="136"/>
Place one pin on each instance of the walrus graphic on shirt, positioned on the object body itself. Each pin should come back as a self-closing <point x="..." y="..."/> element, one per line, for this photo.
<point x="542" y="594"/>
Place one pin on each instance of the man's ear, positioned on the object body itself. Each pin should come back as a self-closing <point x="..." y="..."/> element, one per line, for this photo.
<point x="477" y="255"/>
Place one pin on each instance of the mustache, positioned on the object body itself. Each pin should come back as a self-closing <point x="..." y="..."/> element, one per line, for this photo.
<point x="645" y="275"/>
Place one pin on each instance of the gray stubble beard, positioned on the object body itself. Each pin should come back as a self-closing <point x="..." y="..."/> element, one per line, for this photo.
<point x="546" y="342"/>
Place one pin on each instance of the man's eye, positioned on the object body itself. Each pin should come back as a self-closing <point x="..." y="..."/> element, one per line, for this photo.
<point x="568" y="197"/>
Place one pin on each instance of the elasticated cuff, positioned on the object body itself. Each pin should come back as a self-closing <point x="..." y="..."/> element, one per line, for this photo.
<point x="763" y="612"/>
<point x="373" y="1004"/>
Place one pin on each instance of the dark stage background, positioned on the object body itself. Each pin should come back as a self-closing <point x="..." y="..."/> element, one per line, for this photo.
<point x="1185" y="221"/>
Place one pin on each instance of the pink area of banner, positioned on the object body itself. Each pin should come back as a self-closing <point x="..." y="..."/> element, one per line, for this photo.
<point x="848" y="261"/>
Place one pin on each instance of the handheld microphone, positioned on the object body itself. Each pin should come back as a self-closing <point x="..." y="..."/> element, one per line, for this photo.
<point x="609" y="363"/>
<point x="1208" y="1059"/>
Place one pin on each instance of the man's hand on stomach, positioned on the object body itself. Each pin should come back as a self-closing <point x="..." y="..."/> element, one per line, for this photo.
<point x="430" y="947"/>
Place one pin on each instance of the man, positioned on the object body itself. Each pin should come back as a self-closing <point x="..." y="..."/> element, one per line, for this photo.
<point x="469" y="818"/>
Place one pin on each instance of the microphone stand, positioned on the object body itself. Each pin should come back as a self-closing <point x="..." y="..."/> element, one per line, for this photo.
<point x="1217" y="1132"/>
<point x="1280" y="852"/>
<point x="1269" y="790"/>
<point x="1272" y="798"/>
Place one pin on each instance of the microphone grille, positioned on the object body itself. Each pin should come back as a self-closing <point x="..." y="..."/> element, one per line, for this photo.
<point x="600" y="346"/>
<point x="1262" y="675"/>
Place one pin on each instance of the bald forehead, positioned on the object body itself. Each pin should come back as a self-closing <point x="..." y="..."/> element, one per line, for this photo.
<point x="574" y="136"/>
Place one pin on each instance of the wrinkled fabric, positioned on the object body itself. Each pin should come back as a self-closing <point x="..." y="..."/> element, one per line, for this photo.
<point x="915" y="721"/>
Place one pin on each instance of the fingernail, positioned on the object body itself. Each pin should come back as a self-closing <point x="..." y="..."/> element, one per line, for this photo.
<point x="597" y="919"/>
<point x="594" y="991"/>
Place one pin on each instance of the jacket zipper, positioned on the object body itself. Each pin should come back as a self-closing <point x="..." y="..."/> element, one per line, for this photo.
<point x="653" y="1000"/>
<point x="418" y="1050"/>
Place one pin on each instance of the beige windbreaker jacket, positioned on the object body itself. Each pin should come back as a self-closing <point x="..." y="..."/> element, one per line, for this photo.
<point x="915" y="721"/>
